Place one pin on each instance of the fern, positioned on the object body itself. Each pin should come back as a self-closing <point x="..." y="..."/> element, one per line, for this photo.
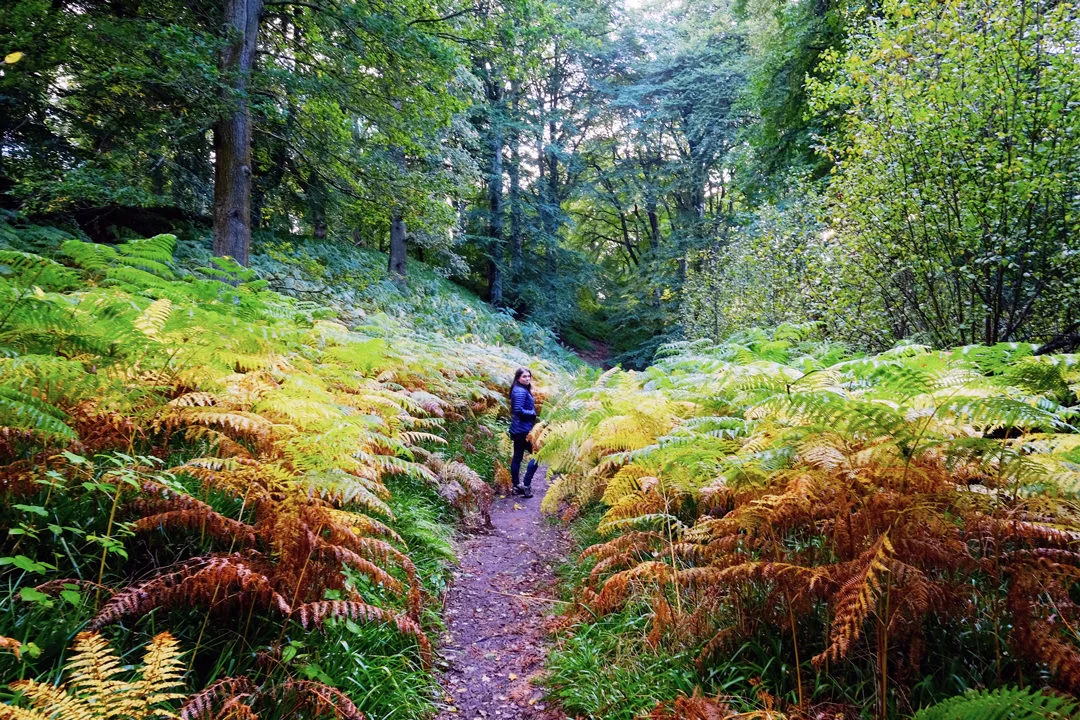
<point x="20" y="411"/>
<point x="95" y="690"/>
<point x="1002" y="704"/>
<point x="869" y="490"/>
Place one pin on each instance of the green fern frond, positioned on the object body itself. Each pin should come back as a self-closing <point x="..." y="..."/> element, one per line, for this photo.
<point x="25" y="412"/>
<point x="1003" y="704"/>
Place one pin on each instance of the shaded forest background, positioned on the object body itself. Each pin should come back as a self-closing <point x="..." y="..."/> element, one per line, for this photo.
<point x="631" y="173"/>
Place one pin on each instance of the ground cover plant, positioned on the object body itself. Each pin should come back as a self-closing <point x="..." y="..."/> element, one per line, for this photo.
<point x="814" y="533"/>
<point x="184" y="449"/>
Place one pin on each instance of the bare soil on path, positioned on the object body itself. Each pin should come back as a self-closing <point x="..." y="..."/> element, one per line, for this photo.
<point x="503" y="592"/>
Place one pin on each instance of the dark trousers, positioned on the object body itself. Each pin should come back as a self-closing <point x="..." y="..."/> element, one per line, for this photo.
<point x="521" y="445"/>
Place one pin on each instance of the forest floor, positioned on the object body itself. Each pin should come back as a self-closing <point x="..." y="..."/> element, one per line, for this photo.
<point x="598" y="355"/>
<point x="502" y="598"/>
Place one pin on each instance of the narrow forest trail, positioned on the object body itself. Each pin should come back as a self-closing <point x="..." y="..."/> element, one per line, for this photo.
<point x="503" y="592"/>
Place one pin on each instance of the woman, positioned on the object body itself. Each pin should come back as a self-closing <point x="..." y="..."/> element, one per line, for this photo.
<point x="522" y="419"/>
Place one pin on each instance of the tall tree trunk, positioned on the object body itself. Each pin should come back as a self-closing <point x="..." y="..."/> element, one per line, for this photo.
<point x="517" y="219"/>
<point x="654" y="222"/>
<point x="315" y="195"/>
<point x="232" y="134"/>
<point x="398" y="236"/>
<point x="398" y="247"/>
<point x="495" y="203"/>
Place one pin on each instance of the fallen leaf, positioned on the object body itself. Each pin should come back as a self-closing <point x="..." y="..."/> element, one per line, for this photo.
<point x="512" y="676"/>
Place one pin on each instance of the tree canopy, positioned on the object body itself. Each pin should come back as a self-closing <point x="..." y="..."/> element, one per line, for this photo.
<point x="633" y="173"/>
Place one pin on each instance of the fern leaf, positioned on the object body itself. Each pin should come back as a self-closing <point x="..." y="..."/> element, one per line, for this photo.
<point x="25" y="412"/>
<point x="1003" y="704"/>
<point x="320" y="699"/>
<point x="200" y="706"/>
<point x="50" y="703"/>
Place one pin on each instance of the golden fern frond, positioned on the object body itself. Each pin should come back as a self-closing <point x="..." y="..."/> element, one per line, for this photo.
<point x="194" y="399"/>
<point x="627" y="480"/>
<point x="162" y="672"/>
<point x="94" y="691"/>
<point x="298" y="411"/>
<point x="93" y="671"/>
<point x="365" y="525"/>
<point x="50" y="703"/>
<point x="415" y="437"/>
<point x="631" y="506"/>
<point x="242" y="424"/>
<point x="153" y="319"/>
<point x="343" y="488"/>
<point x="855" y="601"/>
<point x="11" y="644"/>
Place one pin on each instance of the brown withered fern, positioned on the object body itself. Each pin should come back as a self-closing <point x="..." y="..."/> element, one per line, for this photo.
<point x="853" y="507"/>
<point x="240" y="698"/>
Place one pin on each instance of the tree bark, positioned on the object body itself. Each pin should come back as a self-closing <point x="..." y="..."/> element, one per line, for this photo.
<point x="398" y="247"/>
<point x="495" y="207"/>
<point x="517" y="214"/>
<point x="232" y="134"/>
<point x="517" y="217"/>
<point x="315" y="195"/>
<point x="398" y="236"/>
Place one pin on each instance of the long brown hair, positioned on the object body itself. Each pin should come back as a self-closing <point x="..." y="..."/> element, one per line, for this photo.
<point x="517" y="376"/>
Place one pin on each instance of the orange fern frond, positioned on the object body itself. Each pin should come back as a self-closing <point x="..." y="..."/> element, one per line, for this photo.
<point x="200" y="706"/>
<point x="11" y="644"/>
<point x="855" y="601"/>
<point x="319" y="698"/>
<point x="213" y="580"/>
<point x="364" y="566"/>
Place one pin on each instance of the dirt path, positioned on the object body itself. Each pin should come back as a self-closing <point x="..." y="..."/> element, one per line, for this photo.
<point x="495" y="643"/>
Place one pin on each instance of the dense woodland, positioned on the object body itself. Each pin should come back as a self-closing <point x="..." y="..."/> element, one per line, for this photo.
<point x="267" y="268"/>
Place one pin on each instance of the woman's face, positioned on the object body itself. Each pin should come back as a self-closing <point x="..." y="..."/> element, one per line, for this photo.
<point x="526" y="378"/>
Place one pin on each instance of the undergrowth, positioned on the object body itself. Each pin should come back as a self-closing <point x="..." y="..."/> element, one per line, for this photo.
<point x="184" y="449"/>
<point x="809" y="533"/>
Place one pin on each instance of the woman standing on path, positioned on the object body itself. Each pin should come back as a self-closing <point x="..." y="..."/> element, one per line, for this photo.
<point x="522" y="420"/>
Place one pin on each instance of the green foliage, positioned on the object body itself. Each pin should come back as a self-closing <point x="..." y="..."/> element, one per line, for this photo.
<point x="775" y="266"/>
<point x="1011" y="703"/>
<point x="788" y="43"/>
<point x="767" y="502"/>
<point x="305" y="467"/>
<point x="955" y="167"/>
<point x="608" y="670"/>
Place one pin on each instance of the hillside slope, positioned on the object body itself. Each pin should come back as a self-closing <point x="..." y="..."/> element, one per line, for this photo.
<point x="273" y="478"/>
